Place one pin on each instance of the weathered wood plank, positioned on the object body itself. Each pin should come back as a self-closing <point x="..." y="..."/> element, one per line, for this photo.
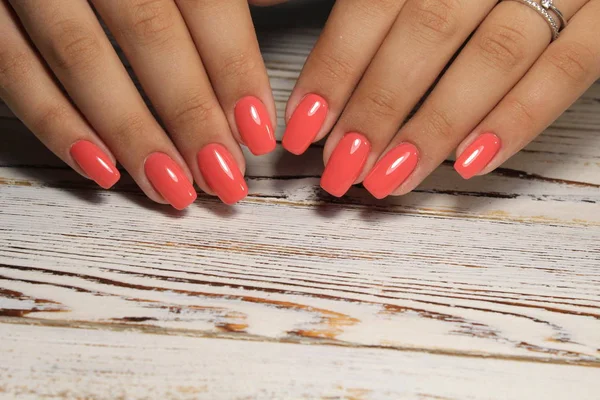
<point x="279" y="270"/>
<point x="95" y="364"/>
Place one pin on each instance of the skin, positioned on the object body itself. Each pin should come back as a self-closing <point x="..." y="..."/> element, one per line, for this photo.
<point x="373" y="62"/>
<point x="194" y="59"/>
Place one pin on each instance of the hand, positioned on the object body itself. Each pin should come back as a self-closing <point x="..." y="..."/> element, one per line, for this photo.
<point x="198" y="62"/>
<point x="375" y="60"/>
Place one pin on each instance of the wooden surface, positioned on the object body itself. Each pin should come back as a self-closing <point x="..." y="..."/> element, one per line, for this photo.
<point x="484" y="289"/>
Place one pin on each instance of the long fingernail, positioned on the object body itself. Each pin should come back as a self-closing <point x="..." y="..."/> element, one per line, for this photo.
<point x="95" y="163"/>
<point x="478" y="155"/>
<point x="392" y="170"/>
<point x="222" y="174"/>
<point x="254" y="125"/>
<point x="305" y="124"/>
<point x="169" y="180"/>
<point x="345" y="164"/>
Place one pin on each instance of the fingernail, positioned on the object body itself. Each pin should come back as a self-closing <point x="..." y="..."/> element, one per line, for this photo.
<point x="478" y="155"/>
<point x="345" y="164"/>
<point x="95" y="163"/>
<point x="254" y="125"/>
<point x="169" y="180"/>
<point x="392" y="170"/>
<point x="305" y="124"/>
<point x="222" y="174"/>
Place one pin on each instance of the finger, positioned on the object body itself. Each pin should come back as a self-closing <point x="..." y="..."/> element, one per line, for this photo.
<point x="498" y="55"/>
<point x="422" y="41"/>
<point x="31" y="93"/>
<point x="353" y="33"/>
<point x="71" y="40"/>
<point x="159" y="47"/>
<point x="234" y="63"/>
<point x="566" y="69"/>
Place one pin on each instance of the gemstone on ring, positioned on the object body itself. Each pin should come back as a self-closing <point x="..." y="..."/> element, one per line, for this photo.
<point x="549" y="6"/>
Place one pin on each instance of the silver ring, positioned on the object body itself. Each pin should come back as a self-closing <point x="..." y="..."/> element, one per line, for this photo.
<point x="542" y="9"/>
<point x="549" y="5"/>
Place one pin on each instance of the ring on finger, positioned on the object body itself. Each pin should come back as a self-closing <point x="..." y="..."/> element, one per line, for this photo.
<point x="544" y="9"/>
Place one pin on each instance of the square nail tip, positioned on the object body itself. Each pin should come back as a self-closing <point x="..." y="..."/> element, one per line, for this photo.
<point x="262" y="151"/>
<point x="294" y="151"/>
<point x="106" y="186"/>
<point x="335" y="193"/>
<point x="463" y="174"/>
<point x="377" y="194"/>
<point x="234" y="201"/>
<point x="466" y="177"/>
<point x="183" y="206"/>
<point x="109" y="184"/>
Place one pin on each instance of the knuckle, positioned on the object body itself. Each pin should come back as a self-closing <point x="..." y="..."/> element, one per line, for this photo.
<point x="381" y="103"/>
<point x="434" y="20"/>
<point x="238" y="66"/>
<point x="49" y="117"/>
<point x="14" y="66"/>
<point x="502" y="47"/>
<point x="149" y="21"/>
<point x="376" y="9"/>
<point x="439" y="125"/>
<point x="197" y="109"/>
<point x="334" y="66"/>
<point x="131" y="127"/>
<point x="521" y="113"/>
<point x="74" y="45"/>
<point x="207" y="6"/>
<point x="573" y="61"/>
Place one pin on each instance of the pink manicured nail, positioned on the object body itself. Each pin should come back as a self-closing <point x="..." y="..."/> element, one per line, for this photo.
<point x="221" y="173"/>
<point x="255" y="126"/>
<point x="478" y="155"/>
<point x="95" y="163"/>
<point x="305" y="124"/>
<point x="392" y="170"/>
<point x="345" y="164"/>
<point x="169" y="180"/>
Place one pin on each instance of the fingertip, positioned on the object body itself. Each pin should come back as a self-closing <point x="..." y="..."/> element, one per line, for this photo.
<point x="254" y="125"/>
<point x="168" y="179"/>
<point x="95" y="163"/>
<point x="305" y="123"/>
<point x="222" y="173"/>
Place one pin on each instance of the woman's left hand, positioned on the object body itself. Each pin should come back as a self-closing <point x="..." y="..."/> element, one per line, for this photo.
<point x="376" y="59"/>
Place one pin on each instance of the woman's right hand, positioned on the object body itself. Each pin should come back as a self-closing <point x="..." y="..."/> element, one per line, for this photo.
<point x="198" y="62"/>
<point x="497" y="78"/>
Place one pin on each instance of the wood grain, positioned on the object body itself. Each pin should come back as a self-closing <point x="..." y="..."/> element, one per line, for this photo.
<point x="131" y="365"/>
<point x="493" y="285"/>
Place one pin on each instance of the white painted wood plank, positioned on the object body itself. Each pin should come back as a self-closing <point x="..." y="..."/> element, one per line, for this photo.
<point x="65" y="363"/>
<point x="284" y="271"/>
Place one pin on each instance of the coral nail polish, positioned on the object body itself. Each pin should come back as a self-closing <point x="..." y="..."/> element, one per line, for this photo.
<point x="95" y="163"/>
<point x="305" y="124"/>
<point x="169" y="180"/>
<point x="478" y="155"/>
<point x="392" y="170"/>
<point x="255" y="126"/>
<point x="221" y="173"/>
<point x="345" y="164"/>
